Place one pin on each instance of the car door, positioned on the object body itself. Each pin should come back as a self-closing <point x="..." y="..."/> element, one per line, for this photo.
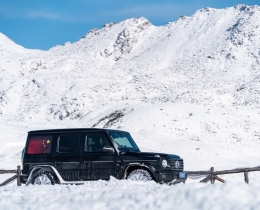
<point x="102" y="163"/>
<point x="67" y="157"/>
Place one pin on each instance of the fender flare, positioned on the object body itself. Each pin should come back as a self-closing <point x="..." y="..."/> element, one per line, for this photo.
<point x="39" y="167"/>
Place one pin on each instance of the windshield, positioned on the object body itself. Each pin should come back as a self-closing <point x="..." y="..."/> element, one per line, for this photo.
<point x="124" y="142"/>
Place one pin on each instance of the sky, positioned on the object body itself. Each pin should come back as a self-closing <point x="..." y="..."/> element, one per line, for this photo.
<point x="44" y="24"/>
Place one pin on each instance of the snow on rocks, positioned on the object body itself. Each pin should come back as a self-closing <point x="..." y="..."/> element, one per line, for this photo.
<point x="129" y="37"/>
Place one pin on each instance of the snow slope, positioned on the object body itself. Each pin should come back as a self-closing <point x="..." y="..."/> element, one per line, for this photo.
<point x="190" y="88"/>
<point x="210" y="58"/>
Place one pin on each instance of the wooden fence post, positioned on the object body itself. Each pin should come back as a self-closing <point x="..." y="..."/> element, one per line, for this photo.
<point x="18" y="175"/>
<point x="212" y="180"/>
<point x="246" y="177"/>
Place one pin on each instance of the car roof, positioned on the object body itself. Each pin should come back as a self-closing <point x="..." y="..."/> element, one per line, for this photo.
<point x="70" y="130"/>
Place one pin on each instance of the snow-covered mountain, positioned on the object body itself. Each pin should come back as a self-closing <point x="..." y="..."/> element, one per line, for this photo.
<point x="195" y="81"/>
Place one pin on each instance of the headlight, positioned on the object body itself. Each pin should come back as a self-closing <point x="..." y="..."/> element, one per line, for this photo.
<point x="164" y="163"/>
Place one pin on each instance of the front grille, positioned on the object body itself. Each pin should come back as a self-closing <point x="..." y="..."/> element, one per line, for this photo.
<point x="173" y="165"/>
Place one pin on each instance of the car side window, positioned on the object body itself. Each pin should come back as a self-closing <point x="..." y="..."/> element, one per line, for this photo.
<point x="94" y="142"/>
<point x="68" y="144"/>
<point x="39" y="145"/>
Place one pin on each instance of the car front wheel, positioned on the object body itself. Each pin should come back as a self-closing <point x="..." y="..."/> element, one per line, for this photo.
<point x="140" y="175"/>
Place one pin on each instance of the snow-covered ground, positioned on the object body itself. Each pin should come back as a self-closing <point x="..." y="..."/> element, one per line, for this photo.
<point x="190" y="88"/>
<point x="127" y="195"/>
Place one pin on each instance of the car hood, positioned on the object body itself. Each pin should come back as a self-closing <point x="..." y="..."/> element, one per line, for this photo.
<point x="151" y="154"/>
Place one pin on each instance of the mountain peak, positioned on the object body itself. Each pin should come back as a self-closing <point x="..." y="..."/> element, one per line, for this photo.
<point x="8" y="45"/>
<point x="243" y="7"/>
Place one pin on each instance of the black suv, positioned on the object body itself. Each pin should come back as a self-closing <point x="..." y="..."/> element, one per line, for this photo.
<point x="73" y="156"/>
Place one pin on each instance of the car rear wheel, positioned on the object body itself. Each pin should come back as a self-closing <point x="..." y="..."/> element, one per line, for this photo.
<point x="140" y="175"/>
<point x="43" y="178"/>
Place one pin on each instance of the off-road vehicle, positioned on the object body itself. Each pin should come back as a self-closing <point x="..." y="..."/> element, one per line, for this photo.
<point x="74" y="156"/>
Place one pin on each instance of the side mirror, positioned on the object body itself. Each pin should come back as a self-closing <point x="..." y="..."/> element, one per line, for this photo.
<point x="108" y="149"/>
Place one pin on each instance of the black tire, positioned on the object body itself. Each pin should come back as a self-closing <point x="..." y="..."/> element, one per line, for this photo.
<point x="43" y="178"/>
<point x="140" y="175"/>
